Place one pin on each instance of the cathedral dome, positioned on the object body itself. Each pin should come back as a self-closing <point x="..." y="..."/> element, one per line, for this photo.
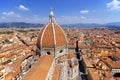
<point x="51" y="35"/>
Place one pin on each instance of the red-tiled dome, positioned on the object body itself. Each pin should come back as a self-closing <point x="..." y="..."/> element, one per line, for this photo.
<point x="51" y="35"/>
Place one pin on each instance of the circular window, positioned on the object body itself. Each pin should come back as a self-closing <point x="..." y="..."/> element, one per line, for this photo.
<point x="61" y="51"/>
<point x="48" y="53"/>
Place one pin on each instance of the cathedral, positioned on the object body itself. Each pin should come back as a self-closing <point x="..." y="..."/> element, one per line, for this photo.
<point x="56" y="61"/>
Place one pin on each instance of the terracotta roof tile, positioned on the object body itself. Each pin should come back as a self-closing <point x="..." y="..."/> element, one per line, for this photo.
<point x="60" y="37"/>
<point x="117" y="55"/>
<point x="9" y="76"/>
<point x="1" y="73"/>
<point x="40" y="70"/>
<point x="104" y="53"/>
<point x="51" y="35"/>
<point x="73" y="65"/>
<point x="70" y="55"/>
<point x="62" y="58"/>
<point x="56" y="73"/>
<point x="94" y="74"/>
<point x="16" y="68"/>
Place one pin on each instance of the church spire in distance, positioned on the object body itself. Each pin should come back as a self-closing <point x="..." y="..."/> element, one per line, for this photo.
<point x="51" y="16"/>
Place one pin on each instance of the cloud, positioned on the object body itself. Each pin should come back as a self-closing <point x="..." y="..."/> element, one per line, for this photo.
<point x="10" y="14"/>
<point x="114" y="5"/>
<point x="84" y="11"/>
<point x="34" y="19"/>
<point x="22" y="7"/>
<point x="83" y="17"/>
<point x="71" y="19"/>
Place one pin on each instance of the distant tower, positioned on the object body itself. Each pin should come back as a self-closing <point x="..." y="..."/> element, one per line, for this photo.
<point x="77" y="48"/>
<point x="52" y="39"/>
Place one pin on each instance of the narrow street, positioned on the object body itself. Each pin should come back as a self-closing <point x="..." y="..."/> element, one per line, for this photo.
<point x="82" y="75"/>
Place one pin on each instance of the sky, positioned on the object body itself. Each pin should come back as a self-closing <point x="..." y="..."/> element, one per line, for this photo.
<point x="65" y="11"/>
